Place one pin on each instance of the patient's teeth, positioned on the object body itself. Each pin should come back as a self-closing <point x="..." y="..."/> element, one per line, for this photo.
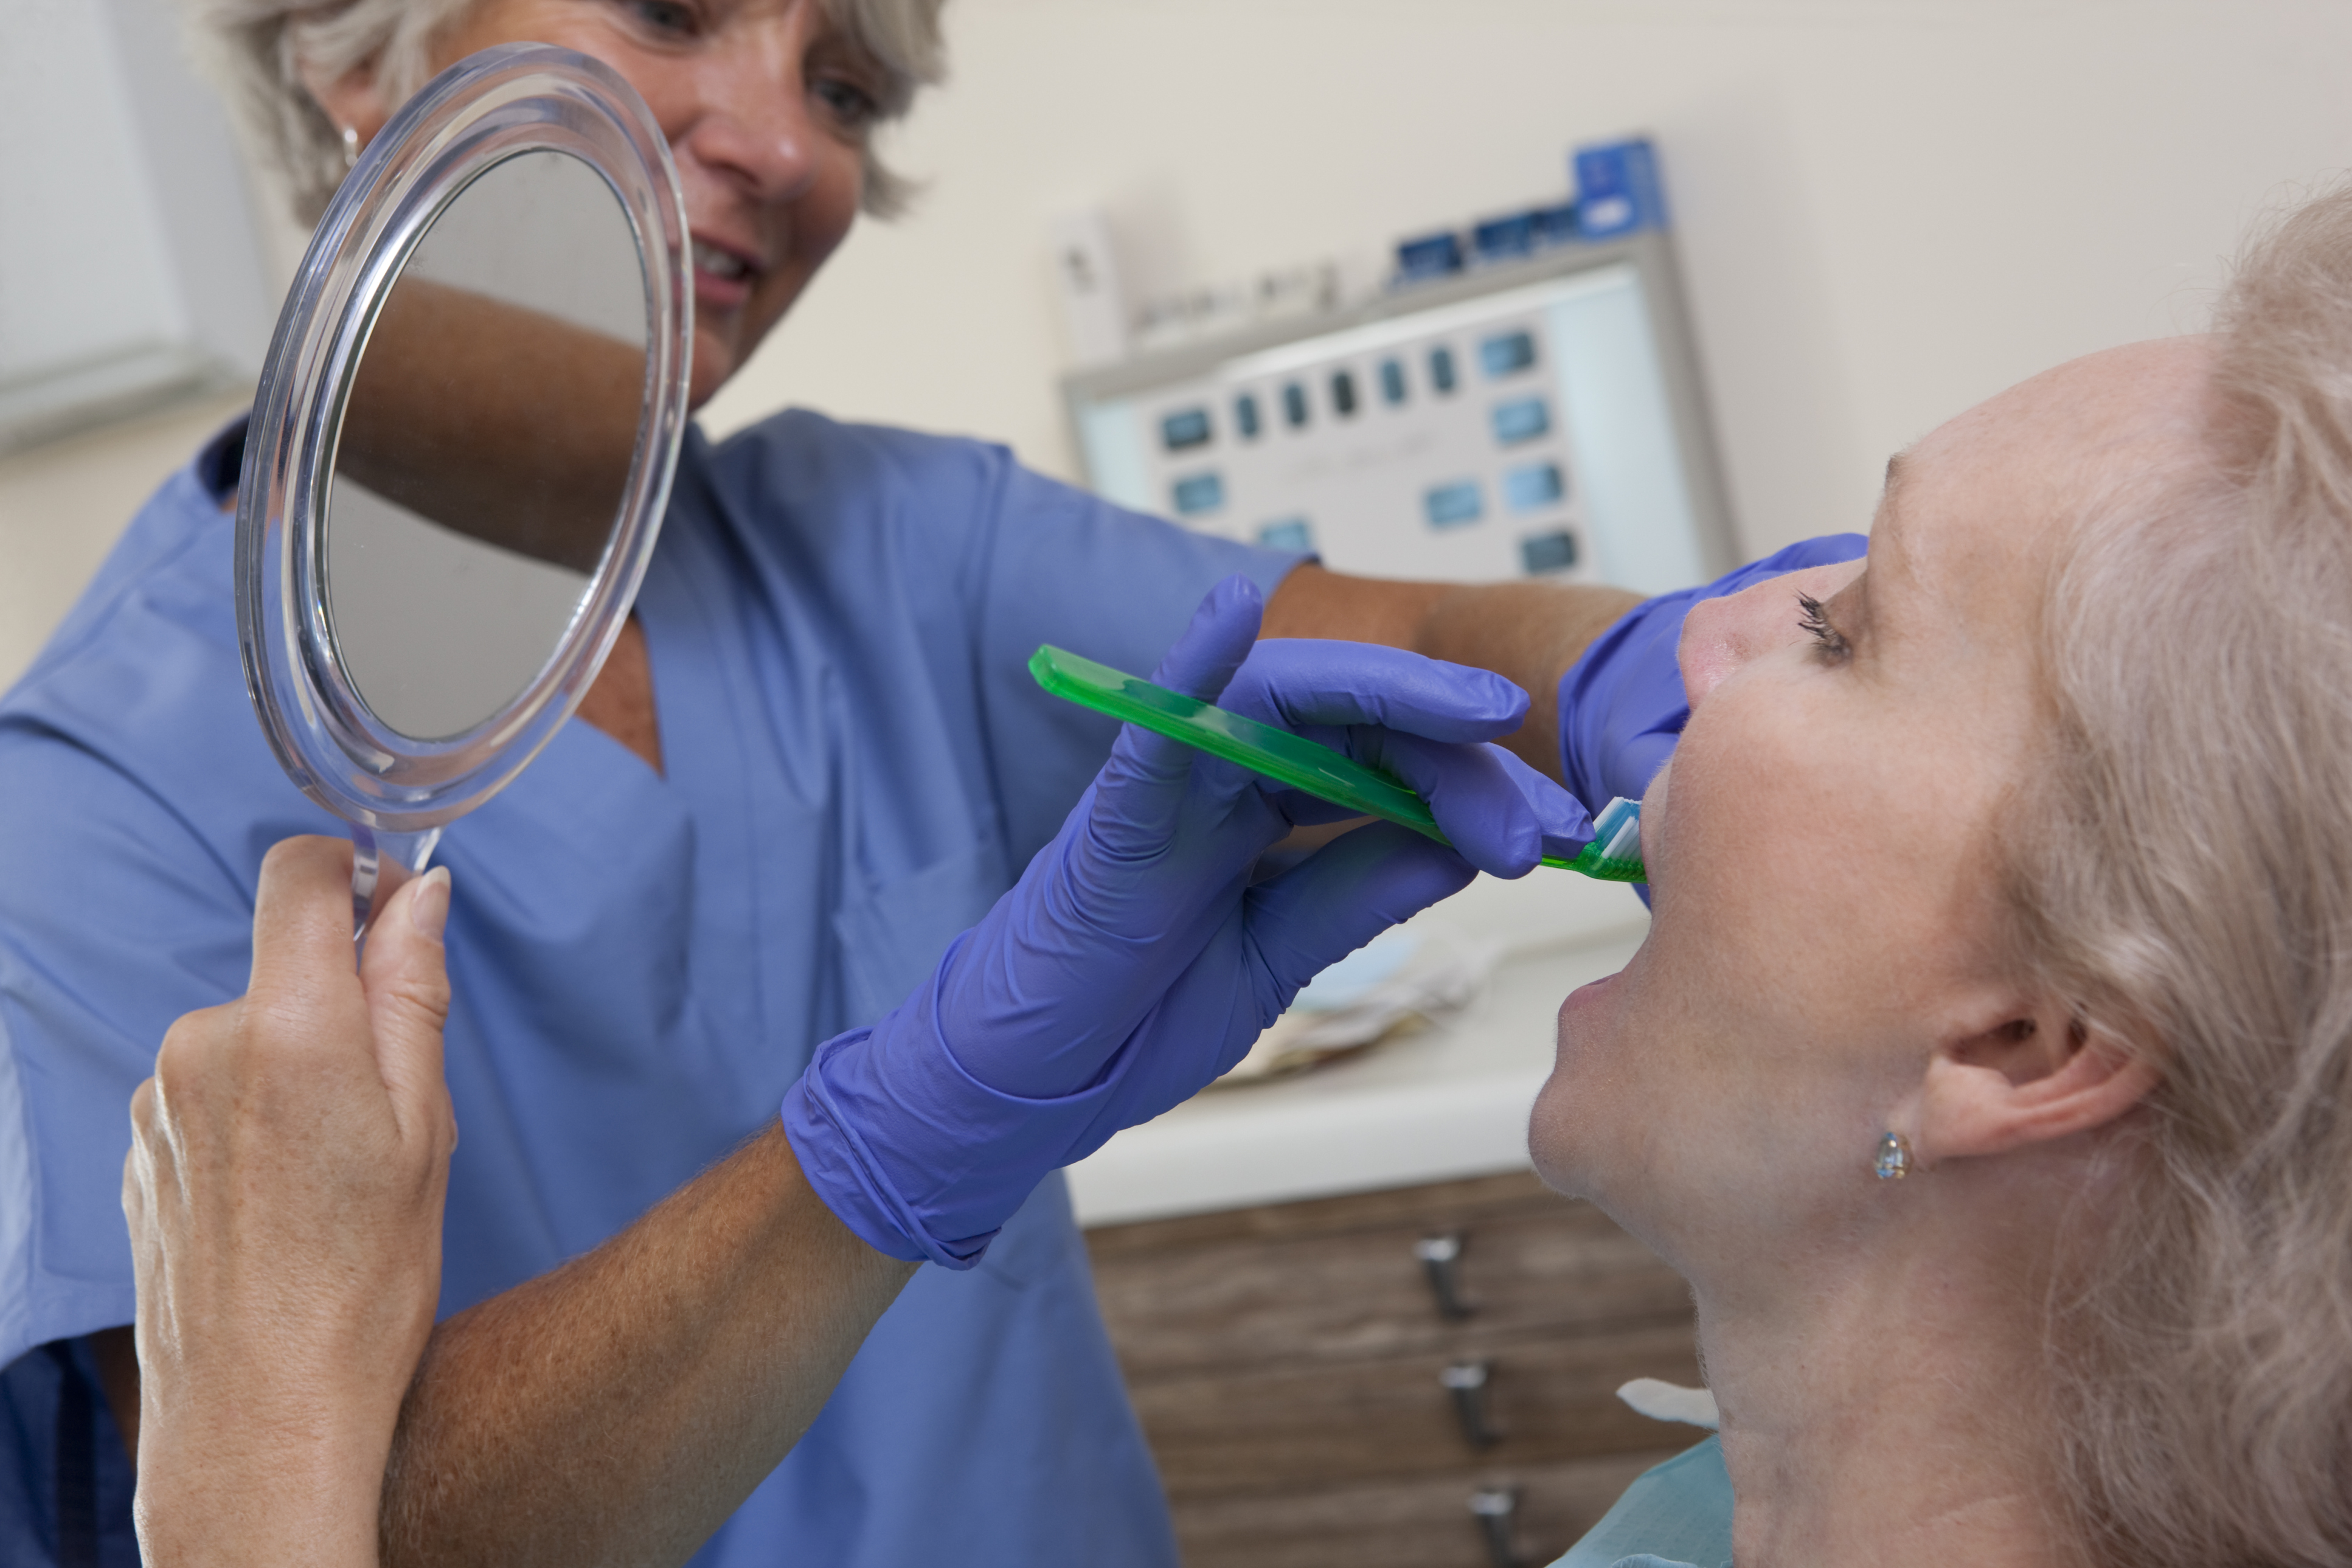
<point x="716" y="262"/>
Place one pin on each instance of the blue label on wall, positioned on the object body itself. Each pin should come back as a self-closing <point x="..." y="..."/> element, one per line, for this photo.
<point x="1431" y="255"/>
<point x="1502" y="238"/>
<point x="1617" y="189"/>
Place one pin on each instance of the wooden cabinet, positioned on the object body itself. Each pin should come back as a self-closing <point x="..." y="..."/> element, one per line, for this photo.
<point x="1311" y="1403"/>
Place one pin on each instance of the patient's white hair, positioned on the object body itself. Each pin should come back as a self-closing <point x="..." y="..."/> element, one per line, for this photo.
<point x="255" y="50"/>
<point x="2182" y="870"/>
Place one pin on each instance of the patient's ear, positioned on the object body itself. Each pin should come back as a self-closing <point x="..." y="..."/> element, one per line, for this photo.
<point x="351" y="100"/>
<point x="2034" y="1078"/>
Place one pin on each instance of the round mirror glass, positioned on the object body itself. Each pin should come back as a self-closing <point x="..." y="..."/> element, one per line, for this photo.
<point x="485" y="450"/>
<point x="463" y="441"/>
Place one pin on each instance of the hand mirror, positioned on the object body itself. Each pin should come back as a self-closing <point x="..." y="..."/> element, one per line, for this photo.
<point x="462" y="445"/>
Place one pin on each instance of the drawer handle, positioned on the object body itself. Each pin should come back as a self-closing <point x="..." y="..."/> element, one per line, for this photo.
<point x="1468" y="1381"/>
<point x="1497" y="1510"/>
<point x="1440" y="1259"/>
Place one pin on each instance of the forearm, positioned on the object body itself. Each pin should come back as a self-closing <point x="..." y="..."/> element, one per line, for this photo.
<point x="1527" y="632"/>
<point x="250" y="1487"/>
<point x="530" y="455"/>
<point x="618" y="1409"/>
<point x="1530" y="634"/>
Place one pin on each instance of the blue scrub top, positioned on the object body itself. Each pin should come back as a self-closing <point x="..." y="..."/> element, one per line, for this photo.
<point x="856" y="764"/>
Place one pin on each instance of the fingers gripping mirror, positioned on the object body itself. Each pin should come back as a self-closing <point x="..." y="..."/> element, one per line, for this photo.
<point x="462" y="445"/>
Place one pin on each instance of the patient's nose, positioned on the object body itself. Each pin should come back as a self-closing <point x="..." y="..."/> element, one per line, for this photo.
<point x="1721" y="635"/>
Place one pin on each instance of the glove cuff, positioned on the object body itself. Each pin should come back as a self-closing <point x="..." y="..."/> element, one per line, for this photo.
<point x="846" y="1173"/>
<point x="918" y="1158"/>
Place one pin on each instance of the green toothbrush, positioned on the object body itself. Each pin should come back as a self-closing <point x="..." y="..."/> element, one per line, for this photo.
<point x="1613" y="856"/>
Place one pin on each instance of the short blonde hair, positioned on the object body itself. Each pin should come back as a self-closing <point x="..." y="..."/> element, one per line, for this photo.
<point x="2181" y="871"/>
<point x="254" y="49"/>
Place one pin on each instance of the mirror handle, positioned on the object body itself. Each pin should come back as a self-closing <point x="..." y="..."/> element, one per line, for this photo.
<point x="381" y="862"/>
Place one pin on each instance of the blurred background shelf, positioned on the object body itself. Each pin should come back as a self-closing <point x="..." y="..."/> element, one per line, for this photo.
<point x="1303" y="1388"/>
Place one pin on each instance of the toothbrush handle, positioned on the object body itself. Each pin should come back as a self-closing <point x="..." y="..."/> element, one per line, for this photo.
<point x="1286" y="758"/>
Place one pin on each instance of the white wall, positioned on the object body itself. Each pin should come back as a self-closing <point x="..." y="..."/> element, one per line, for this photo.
<point x="1888" y="209"/>
<point x="62" y="505"/>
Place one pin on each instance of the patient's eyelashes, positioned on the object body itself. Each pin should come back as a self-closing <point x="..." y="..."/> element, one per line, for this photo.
<point x="1815" y="621"/>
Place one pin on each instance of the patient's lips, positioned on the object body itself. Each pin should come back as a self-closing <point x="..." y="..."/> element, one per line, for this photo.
<point x="1653" y="824"/>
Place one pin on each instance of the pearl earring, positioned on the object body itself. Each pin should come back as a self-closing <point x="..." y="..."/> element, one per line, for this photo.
<point x="1892" y="1162"/>
<point x="351" y="148"/>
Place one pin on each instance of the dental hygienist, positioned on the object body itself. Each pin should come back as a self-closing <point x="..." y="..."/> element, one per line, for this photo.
<point x="812" y="759"/>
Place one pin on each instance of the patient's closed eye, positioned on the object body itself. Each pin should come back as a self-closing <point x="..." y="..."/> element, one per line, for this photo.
<point x="1815" y="622"/>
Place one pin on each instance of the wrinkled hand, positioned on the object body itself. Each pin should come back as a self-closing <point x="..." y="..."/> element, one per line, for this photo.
<point x="1135" y="960"/>
<point x="284" y="1190"/>
<point x="1621" y="705"/>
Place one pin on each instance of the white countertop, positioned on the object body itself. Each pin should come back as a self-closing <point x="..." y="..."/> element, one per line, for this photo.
<point x="1444" y="1103"/>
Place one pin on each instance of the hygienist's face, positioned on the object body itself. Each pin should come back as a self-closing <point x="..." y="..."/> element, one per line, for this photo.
<point x="1819" y="845"/>
<point x="765" y="106"/>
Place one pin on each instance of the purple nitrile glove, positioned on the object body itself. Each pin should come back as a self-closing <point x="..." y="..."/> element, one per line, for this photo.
<point x="1621" y="705"/>
<point x="1411" y="717"/>
<point x="1135" y="961"/>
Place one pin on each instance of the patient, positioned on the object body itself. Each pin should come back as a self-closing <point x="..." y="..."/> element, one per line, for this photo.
<point x="1988" y="1068"/>
<point x="2018" y="867"/>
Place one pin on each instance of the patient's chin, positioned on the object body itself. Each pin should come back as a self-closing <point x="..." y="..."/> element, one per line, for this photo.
<point x="1557" y="1164"/>
<point x="1587" y="1124"/>
<point x="1559" y="1141"/>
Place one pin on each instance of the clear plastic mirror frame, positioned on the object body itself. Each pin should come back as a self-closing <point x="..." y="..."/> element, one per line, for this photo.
<point x="488" y="107"/>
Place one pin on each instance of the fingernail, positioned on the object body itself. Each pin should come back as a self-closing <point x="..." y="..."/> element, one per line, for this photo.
<point x="429" y="907"/>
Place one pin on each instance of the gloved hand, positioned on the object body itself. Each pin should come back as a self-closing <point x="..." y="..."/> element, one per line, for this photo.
<point x="1135" y="961"/>
<point x="1622" y="706"/>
